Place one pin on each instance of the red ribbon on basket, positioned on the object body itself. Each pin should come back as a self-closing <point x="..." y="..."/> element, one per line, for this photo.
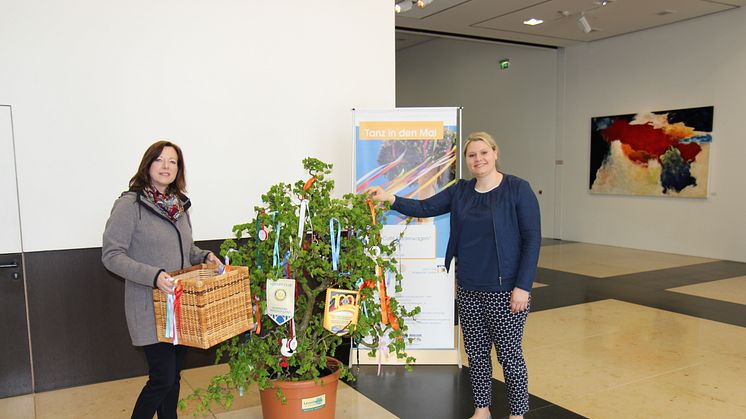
<point x="178" y="288"/>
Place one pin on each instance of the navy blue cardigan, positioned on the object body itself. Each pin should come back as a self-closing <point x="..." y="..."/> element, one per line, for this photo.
<point x="516" y="220"/>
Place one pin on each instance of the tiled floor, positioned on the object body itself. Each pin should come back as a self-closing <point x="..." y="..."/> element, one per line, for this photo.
<point x="614" y="333"/>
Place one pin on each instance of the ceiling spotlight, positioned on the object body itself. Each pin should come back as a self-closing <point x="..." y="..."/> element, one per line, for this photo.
<point x="583" y="24"/>
<point x="404" y="6"/>
<point x="422" y="3"/>
<point x="533" y="22"/>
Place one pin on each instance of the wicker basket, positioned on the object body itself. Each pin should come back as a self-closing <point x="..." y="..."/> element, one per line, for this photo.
<point x="213" y="307"/>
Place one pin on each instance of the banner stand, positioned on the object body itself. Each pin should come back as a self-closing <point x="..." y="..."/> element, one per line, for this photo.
<point x="416" y="153"/>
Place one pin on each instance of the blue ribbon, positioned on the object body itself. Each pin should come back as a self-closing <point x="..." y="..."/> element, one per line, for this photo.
<point x="335" y="241"/>
<point x="276" y="253"/>
<point x="169" y="316"/>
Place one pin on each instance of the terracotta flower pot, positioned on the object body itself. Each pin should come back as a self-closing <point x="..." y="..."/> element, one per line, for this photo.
<point x="305" y="399"/>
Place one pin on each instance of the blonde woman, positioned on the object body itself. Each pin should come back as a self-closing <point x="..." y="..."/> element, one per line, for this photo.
<point x="495" y="236"/>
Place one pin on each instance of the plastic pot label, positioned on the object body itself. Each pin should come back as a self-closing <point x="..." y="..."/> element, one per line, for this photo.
<point x="313" y="403"/>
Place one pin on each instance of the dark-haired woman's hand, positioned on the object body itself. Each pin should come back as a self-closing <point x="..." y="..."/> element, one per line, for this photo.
<point x="213" y="260"/>
<point x="165" y="283"/>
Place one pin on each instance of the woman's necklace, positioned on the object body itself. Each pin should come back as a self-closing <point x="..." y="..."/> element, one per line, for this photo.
<point x="489" y="182"/>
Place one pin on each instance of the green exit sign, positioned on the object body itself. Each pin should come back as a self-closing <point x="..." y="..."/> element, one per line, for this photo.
<point x="504" y="64"/>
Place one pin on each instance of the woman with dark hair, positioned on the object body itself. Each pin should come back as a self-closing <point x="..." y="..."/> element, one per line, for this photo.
<point x="495" y="236"/>
<point x="147" y="235"/>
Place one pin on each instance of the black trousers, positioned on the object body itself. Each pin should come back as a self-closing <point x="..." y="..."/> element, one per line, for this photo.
<point x="486" y="320"/>
<point x="161" y="393"/>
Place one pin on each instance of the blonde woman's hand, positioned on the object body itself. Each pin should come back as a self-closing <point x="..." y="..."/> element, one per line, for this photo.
<point x="165" y="283"/>
<point x="379" y="194"/>
<point x="518" y="300"/>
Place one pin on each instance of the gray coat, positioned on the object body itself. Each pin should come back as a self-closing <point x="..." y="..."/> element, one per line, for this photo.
<point x="139" y="242"/>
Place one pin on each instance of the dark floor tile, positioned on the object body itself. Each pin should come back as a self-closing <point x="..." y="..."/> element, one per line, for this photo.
<point x="551" y="412"/>
<point x="554" y="242"/>
<point x="553" y="277"/>
<point x="682" y="275"/>
<point x="430" y="391"/>
<point x="545" y="298"/>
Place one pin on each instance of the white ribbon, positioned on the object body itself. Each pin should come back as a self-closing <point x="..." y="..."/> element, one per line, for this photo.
<point x="383" y="345"/>
<point x="302" y="220"/>
<point x="171" y="328"/>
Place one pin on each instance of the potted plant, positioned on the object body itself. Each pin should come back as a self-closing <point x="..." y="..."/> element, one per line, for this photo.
<point x="322" y="243"/>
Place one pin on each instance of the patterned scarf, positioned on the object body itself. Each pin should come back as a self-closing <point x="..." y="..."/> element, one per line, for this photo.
<point x="169" y="205"/>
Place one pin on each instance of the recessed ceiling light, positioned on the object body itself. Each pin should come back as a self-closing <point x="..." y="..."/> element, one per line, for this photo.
<point x="403" y="6"/>
<point x="533" y="22"/>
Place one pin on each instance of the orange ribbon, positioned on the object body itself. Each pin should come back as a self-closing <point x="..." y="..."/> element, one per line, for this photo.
<point x="258" y="316"/>
<point x="367" y="284"/>
<point x="387" y="316"/>
<point x="308" y="184"/>
<point x="372" y="210"/>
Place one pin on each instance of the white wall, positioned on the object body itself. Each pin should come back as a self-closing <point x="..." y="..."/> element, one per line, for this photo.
<point x="517" y="106"/>
<point x="247" y="88"/>
<point x="10" y="238"/>
<point x="695" y="63"/>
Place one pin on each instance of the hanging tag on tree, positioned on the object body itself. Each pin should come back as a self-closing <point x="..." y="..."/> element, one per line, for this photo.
<point x="289" y="345"/>
<point x="341" y="310"/>
<point x="280" y="299"/>
<point x="261" y="231"/>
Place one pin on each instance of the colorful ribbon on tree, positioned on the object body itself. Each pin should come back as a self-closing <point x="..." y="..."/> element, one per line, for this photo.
<point x="335" y="241"/>
<point x="387" y="315"/>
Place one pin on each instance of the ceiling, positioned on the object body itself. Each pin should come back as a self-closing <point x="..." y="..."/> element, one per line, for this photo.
<point x="502" y="20"/>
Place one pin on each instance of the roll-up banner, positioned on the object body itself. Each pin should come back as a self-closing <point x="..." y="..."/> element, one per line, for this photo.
<point x="415" y="153"/>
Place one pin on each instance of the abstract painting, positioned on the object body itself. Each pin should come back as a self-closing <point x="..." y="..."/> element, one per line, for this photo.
<point x="662" y="153"/>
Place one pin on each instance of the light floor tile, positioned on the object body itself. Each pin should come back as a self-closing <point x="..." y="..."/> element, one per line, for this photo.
<point x="711" y="389"/>
<point x="20" y="407"/>
<point x="111" y="400"/>
<point x="244" y="413"/>
<point x="664" y="361"/>
<point x="732" y="290"/>
<point x="350" y="403"/>
<point x="200" y="378"/>
<point x="611" y="359"/>
<point x="605" y="261"/>
<point x="114" y="399"/>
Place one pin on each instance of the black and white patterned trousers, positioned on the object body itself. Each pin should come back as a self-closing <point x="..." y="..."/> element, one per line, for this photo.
<point x="486" y="319"/>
